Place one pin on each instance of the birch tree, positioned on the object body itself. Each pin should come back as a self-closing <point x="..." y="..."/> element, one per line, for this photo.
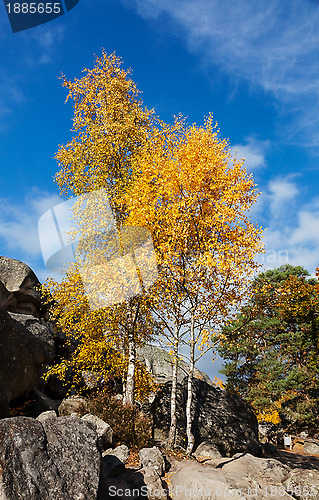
<point x="195" y="198"/>
<point x="110" y="124"/>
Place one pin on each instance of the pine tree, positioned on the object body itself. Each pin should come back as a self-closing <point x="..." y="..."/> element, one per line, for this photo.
<point x="271" y="349"/>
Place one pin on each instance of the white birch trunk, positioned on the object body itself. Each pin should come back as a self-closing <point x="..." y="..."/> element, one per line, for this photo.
<point x="172" y="429"/>
<point x="190" y="436"/>
<point x="130" y="377"/>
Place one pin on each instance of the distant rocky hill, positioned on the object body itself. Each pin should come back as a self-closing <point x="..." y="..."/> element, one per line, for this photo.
<point x="159" y="362"/>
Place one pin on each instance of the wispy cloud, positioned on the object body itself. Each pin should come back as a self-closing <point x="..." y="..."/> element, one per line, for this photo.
<point x="48" y="38"/>
<point x="273" y="46"/>
<point x="292" y="234"/>
<point x="22" y="55"/>
<point x="10" y="96"/>
<point x="19" y="226"/>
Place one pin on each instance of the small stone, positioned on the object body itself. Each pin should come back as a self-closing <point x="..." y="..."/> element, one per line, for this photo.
<point x="45" y="415"/>
<point x="113" y="461"/>
<point x="152" y="457"/>
<point x="103" y="430"/>
<point x="206" y="449"/>
<point x="73" y="404"/>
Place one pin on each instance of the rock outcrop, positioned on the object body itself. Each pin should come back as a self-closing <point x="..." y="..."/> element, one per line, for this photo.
<point x="55" y="459"/>
<point x="243" y="477"/>
<point x="19" y="287"/>
<point x="220" y="418"/>
<point x="25" y="346"/>
<point x="26" y="342"/>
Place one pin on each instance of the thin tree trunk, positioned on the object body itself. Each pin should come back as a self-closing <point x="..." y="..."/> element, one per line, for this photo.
<point x="172" y="429"/>
<point x="130" y="377"/>
<point x="129" y="387"/>
<point x="190" y="436"/>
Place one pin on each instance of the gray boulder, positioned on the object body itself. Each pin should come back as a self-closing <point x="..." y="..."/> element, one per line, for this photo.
<point x="122" y="452"/>
<point x="221" y="418"/>
<point x="56" y="459"/>
<point x="153" y="467"/>
<point x="73" y="404"/>
<point x="19" y="290"/>
<point x="311" y="447"/>
<point x="46" y="415"/>
<point x="25" y="346"/>
<point x="103" y="430"/>
<point x="152" y="457"/>
<point x="43" y="345"/>
<point x="114" y="460"/>
<point x="244" y="476"/>
<point x="303" y="484"/>
<point x="206" y="449"/>
<point x="153" y="482"/>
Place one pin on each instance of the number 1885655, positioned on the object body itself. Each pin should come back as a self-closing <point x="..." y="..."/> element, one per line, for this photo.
<point x="33" y="8"/>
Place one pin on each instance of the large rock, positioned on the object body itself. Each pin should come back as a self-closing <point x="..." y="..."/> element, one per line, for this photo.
<point x="56" y="459"/>
<point x="25" y="346"/>
<point x="154" y="485"/>
<point x="242" y="477"/>
<point x="207" y="450"/>
<point x="19" y="287"/>
<point x="43" y="343"/>
<point x="311" y="447"/>
<point x="303" y="484"/>
<point x="223" y="419"/>
<point x="160" y="364"/>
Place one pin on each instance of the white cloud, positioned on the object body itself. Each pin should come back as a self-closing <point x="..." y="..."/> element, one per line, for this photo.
<point x="273" y="46"/>
<point x="281" y="192"/>
<point x="253" y="152"/>
<point x="19" y="225"/>
<point x="307" y="231"/>
<point x="292" y="234"/>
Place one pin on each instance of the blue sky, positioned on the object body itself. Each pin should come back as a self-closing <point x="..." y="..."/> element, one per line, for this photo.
<point x="254" y="64"/>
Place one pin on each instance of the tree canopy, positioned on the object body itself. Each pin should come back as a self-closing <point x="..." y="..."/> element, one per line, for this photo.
<point x="271" y="349"/>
